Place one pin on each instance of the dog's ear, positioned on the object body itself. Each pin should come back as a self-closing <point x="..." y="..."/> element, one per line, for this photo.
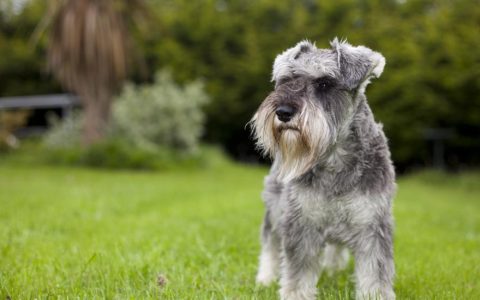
<point x="357" y="64"/>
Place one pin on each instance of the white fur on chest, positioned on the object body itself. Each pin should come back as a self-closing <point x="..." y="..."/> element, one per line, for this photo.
<point x="333" y="215"/>
<point x="318" y="209"/>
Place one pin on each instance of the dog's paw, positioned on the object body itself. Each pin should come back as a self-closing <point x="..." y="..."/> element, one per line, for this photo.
<point x="265" y="278"/>
<point x="298" y="294"/>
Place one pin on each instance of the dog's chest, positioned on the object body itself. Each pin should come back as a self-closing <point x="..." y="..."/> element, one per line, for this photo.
<point x="317" y="208"/>
<point x="333" y="216"/>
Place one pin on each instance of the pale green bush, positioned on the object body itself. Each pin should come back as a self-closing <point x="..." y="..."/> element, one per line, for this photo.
<point x="162" y="115"/>
<point x="64" y="133"/>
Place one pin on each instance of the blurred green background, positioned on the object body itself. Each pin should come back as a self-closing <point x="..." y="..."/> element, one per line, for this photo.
<point x="432" y="77"/>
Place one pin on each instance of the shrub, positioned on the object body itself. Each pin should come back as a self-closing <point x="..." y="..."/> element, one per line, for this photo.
<point x="115" y="154"/>
<point x="160" y="115"/>
<point x="152" y="126"/>
<point x="64" y="133"/>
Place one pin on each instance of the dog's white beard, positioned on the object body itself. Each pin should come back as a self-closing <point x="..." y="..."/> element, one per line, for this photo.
<point x="295" y="151"/>
<point x="299" y="151"/>
<point x="293" y="155"/>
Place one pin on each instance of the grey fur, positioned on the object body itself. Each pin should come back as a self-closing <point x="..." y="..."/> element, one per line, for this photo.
<point x="332" y="182"/>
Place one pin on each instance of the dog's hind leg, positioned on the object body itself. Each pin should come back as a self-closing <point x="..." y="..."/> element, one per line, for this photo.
<point x="270" y="256"/>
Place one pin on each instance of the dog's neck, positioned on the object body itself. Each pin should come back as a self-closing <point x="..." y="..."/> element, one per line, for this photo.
<point x="342" y="155"/>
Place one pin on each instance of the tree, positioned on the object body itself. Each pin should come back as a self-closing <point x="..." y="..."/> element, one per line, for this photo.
<point x="89" y="52"/>
<point x="431" y="79"/>
<point x="21" y="65"/>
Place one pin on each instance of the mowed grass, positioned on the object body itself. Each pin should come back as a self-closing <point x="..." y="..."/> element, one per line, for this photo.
<point x="194" y="234"/>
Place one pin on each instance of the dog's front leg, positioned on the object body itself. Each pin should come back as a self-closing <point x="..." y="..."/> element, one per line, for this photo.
<point x="374" y="266"/>
<point x="300" y="266"/>
<point x="270" y="255"/>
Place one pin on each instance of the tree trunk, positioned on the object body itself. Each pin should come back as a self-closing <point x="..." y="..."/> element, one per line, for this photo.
<point x="96" y="118"/>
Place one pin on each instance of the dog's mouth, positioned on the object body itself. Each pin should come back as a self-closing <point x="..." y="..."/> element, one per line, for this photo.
<point x="287" y="127"/>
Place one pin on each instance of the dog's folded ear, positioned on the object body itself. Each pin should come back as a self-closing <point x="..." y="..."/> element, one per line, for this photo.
<point x="357" y="64"/>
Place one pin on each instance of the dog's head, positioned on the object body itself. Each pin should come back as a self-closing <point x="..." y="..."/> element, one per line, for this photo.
<point x="316" y="93"/>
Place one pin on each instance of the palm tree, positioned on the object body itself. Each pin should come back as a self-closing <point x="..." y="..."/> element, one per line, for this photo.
<point x="89" y="52"/>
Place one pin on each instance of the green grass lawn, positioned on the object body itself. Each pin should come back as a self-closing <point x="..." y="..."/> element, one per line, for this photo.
<point x="79" y="233"/>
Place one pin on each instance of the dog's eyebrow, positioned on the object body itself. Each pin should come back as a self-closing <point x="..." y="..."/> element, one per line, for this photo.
<point x="285" y="79"/>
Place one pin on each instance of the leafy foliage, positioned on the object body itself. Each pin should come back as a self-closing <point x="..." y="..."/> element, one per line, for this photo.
<point x="152" y="127"/>
<point x="22" y="66"/>
<point x="431" y="78"/>
<point x="113" y="154"/>
<point x="160" y="115"/>
<point x="64" y="133"/>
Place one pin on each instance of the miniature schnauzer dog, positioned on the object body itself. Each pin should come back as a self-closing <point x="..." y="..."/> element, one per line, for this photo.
<point x="332" y="182"/>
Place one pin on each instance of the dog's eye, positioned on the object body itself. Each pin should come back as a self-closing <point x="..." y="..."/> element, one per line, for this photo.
<point x="323" y="84"/>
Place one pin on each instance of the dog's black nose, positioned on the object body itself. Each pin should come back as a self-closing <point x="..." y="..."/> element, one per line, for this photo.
<point x="285" y="113"/>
